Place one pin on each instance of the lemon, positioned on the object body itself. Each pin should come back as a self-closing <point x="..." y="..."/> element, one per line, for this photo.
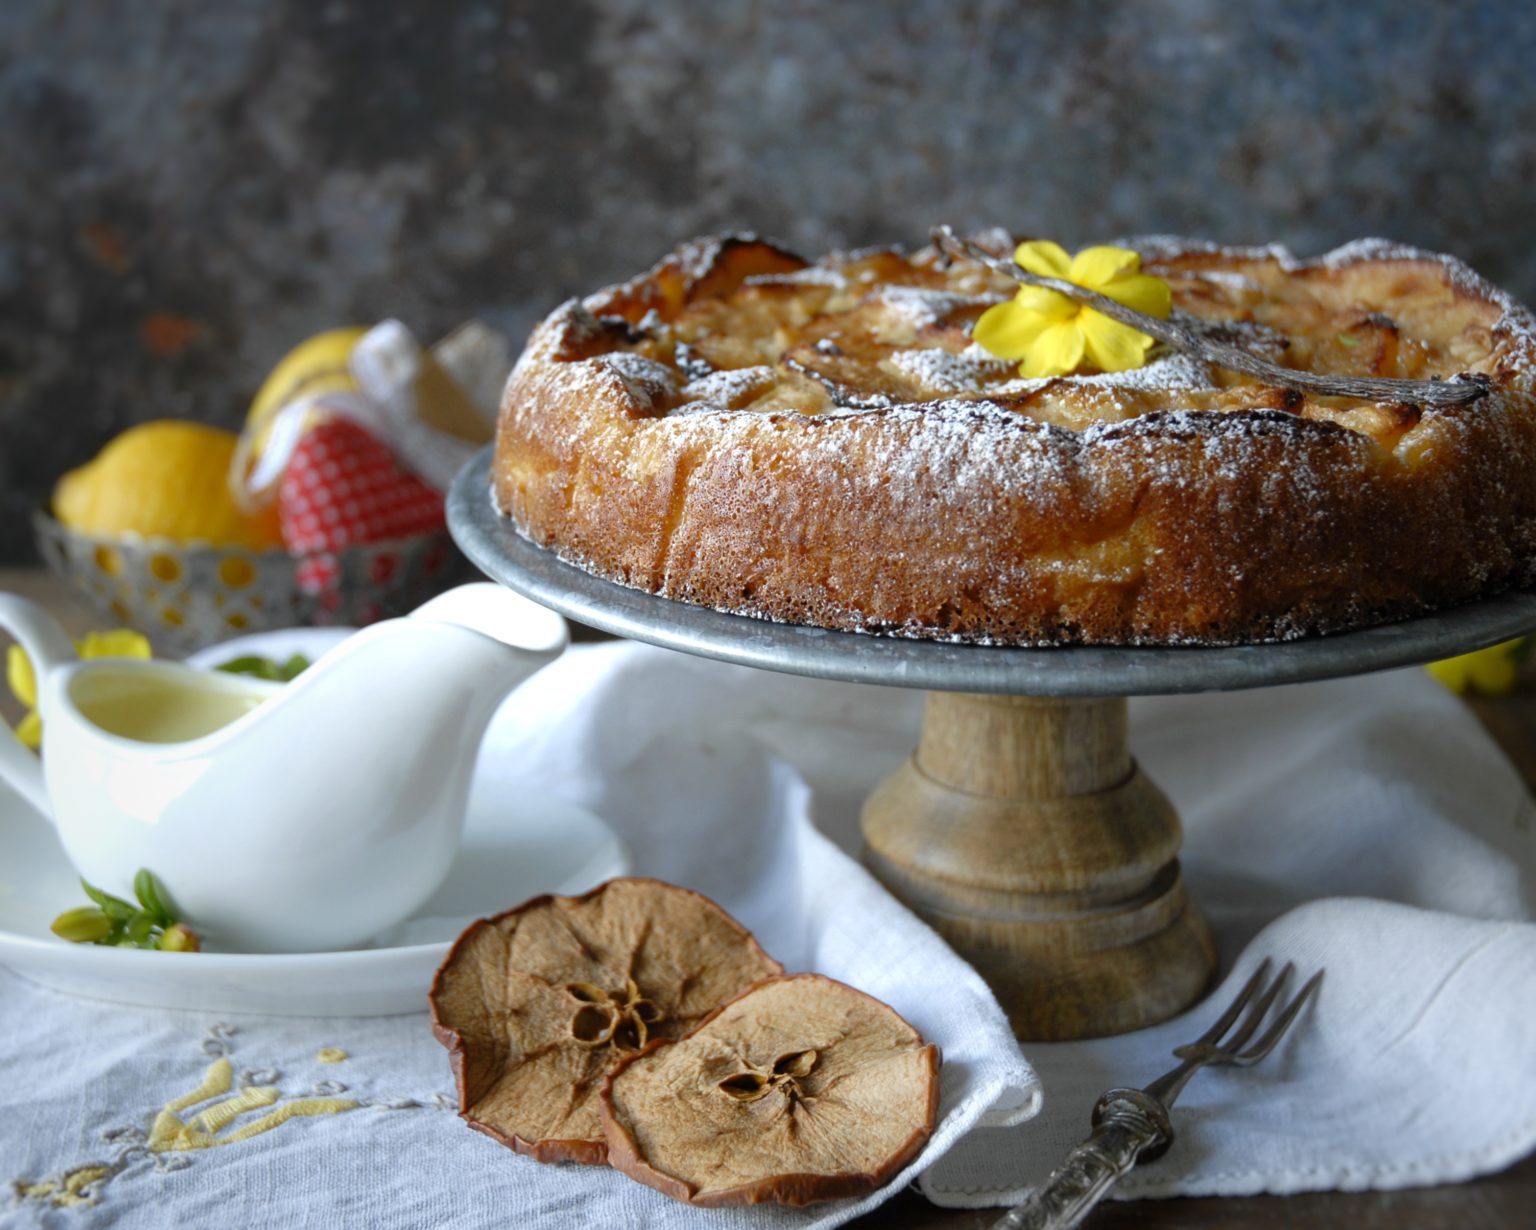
<point x="167" y="479"/>
<point x="317" y="365"/>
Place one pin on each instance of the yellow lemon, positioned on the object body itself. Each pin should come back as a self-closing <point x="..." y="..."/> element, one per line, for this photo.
<point x="318" y="365"/>
<point x="1492" y="671"/>
<point x="166" y="479"/>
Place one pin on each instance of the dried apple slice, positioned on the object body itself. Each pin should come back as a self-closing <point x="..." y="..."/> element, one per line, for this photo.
<point x="537" y="1004"/>
<point x="802" y="1089"/>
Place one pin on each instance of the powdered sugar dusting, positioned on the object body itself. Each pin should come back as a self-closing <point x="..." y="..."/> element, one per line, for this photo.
<point x="976" y="371"/>
<point x="916" y="373"/>
<point x="1516" y="321"/>
<point x="697" y="257"/>
<point x="968" y="462"/>
<point x="943" y="371"/>
<point x="921" y="306"/>
<point x="644" y="379"/>
<point x="811" y="275"/>
<point x="573" y="322"/>
<point x="1169" y="247"/>
<point x="730" y="388"/>
<point x="981" y="453"/>
<point x="1226" y="277"/>
<point x="1167" y="372"/>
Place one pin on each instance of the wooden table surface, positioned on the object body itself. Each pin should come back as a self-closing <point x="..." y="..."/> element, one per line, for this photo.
<point x="1498" y="1202"/>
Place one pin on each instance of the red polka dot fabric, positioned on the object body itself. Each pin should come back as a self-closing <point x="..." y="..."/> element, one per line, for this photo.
<point x="343" y="486"/>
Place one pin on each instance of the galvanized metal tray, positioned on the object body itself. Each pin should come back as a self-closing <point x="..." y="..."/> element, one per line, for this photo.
<point x="506" y="556"/>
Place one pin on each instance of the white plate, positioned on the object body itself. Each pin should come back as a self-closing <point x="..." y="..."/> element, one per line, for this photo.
<point x="517" y="843"/>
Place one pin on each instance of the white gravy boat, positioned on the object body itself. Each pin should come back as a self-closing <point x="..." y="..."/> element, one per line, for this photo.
<point x="280" y="817"/>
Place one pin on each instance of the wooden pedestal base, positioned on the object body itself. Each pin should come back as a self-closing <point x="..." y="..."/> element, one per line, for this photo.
<point x="1022" y="830"/>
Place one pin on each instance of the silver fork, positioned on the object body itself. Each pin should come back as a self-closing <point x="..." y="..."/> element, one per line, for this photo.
<point x="1132" y="1125"/>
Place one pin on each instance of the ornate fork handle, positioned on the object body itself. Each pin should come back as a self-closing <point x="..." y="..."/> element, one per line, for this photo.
<point x="1132" y="1125"/>
<point x="1127" y="1125"/>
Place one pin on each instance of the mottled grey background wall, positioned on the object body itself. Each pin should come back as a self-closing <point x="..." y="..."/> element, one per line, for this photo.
<point x="187" y="188"/>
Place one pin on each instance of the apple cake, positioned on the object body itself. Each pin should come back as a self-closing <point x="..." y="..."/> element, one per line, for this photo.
<point x="823" y="442"/>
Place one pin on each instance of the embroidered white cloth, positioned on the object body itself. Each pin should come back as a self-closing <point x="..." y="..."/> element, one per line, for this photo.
<point x="1367" y="825"/>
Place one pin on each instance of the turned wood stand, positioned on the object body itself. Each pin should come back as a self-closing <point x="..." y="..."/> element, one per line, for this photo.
<point x="1025" y="833"/>
<point x="1021" y="828"/>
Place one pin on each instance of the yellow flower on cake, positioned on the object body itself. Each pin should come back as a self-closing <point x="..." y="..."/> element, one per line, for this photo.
<point x="22" y="679"/>
<point x="1052" y="334"/>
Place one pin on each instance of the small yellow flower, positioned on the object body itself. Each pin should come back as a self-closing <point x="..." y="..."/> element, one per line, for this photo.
<point x="22" y="679"/>
<point x="1053" y="334"/>
<point x="1492" y="671"/>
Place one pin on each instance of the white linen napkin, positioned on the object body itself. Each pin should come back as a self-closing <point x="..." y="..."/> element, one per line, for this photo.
<point x="1369" y="824"/>
<point x="1365" y="825"/>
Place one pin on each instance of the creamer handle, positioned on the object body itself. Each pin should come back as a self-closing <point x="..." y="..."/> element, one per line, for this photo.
<point x="48" y="646"/>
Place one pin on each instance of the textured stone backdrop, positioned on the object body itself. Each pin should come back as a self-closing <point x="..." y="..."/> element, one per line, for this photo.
<point x="187" y="188"/>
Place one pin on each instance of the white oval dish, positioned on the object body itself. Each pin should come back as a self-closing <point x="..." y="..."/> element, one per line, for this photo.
<point x="517" y="843"/>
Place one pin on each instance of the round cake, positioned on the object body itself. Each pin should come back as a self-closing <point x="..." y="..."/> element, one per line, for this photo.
<point x="824" y="443"/>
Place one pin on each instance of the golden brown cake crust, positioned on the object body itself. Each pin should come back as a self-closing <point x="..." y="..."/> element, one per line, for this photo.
<point x="822" y="444"/>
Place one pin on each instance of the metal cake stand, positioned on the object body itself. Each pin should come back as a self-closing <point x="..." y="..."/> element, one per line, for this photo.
<point x="1021" y="828"/>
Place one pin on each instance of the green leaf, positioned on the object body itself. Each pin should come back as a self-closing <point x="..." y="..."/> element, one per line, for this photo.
<point x="1348" y="339"/>
<point x="151" y="895"/>
<point x="251" y="664"/>
<point x="112" y="907"/>
<point x="267" y="668"/>
<point x="294" y="667"/>
<point x="113" y="921"/>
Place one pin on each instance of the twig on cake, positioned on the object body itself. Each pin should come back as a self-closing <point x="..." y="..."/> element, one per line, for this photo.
<point x="1458" y="391"/>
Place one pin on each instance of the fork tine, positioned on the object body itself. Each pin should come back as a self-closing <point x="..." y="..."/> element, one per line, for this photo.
<point x="1259" y="1011"/>
<point x="1272" y="1035"/>
<point x="1224" y="1023"/>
